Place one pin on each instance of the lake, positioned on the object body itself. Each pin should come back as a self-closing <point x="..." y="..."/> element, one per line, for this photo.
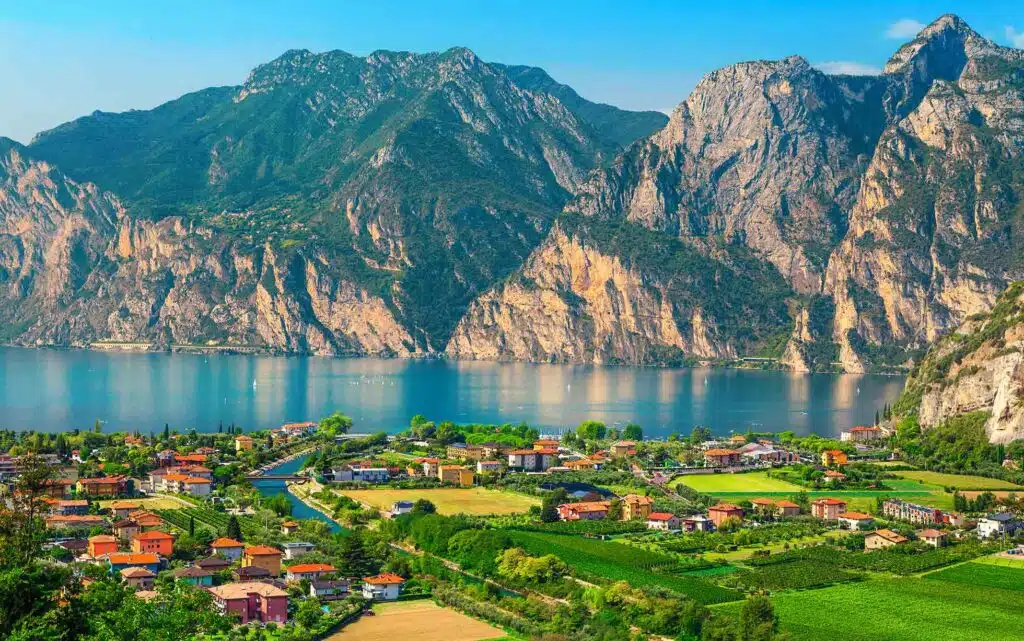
<point x="52" y="390"/>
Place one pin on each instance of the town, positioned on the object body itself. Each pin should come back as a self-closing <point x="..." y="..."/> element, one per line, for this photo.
<point x="420" y="518"/>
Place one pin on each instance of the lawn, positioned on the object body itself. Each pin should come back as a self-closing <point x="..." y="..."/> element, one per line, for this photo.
<point x="151" y="504"/>
<point x="898" y="610"/>
<point x="959" y="481"/>
<point x="982" y="574"/>
<point x="745" y="482"/>
<point x="1004" y="560"/>
<point x="422" y="620"/>
<point x="475" y="500"/>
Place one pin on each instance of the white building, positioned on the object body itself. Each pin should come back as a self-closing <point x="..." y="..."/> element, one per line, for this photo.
<point x="664" y="521"/>
<point x="383" y="587"/>
<point x="362" y="474"/>
<point x="997" y="524"/>
<point x="398" y="508"/>
<point x="296" y="549"/>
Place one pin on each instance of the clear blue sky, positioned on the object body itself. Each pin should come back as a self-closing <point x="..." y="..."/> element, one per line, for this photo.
<point x="63" y="59"/>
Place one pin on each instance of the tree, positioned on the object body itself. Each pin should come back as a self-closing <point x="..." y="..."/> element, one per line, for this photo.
<point x="192" y="526"/>
<point x="423" y="506"/>
<point x="167" y="432"/>
<point x="757" y="619"/>
<point x="591" y="430"/>
<point x="20" y="528"/>
<point x="353" y="557"/>
<point x="336" y="423"/>
<point x="280" y="504"/>
<point x="309" y="614"/>
<point x="234" y="528"/>
<point x="614" y="510"/>
<point x="633" y="432"/>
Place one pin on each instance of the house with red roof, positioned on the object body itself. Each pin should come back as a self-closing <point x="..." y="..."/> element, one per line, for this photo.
<point x="855" y="520"/>
<point x="154" y="541"/>
<point x="310" y="571"/>
<point x="382" y="587"/>
<point x="827" y="508"/>
<point x="252" y="601"/>
<point x="722" y="511"/>
<point x="229" y="548"/>
<point x="664" y="521"/>
<point x="584" y="511"/>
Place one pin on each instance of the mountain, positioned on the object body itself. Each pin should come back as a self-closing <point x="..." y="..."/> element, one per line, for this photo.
<point x="979" y="368"/>
<point x="331" y="204"/>
<point x="880" y="211"/>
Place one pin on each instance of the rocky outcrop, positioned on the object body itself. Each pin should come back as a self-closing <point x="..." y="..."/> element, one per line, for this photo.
<point x="978" y="368"/>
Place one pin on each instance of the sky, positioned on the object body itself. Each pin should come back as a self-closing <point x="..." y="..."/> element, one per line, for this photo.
<point x="63" y="59"/>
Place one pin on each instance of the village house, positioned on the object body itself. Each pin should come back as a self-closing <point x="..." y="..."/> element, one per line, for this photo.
<point x="827" y="509"/>
<point x="138" y="578"/>
<point x="126" y="529"/>
<point x="584" y="511"/>
<point x="855" y="520"/>
<point x="722" y="511"/>
<point x="636" y="507"/>
<point x="213" y="564"/>
<point x="251" y="573"/>
<point x="104" y="486"/>
<point x="77" y="547"/>
<point x="533" y="460"/>
<point x="716" y="457"/>
<point x="329" y="590"/>
<point x="74" y="521"/>
<point x="382" y="587"/>
<point x="763" y="506"/>
<point x="165" y="458"/>
<point x="153" y="541"/>
<point x="289" y="527"/>
<point x="122" y="509"/>
<point x="102" y="544"/>
<point x="263" y="556"/>
<point x="310" y="571"/>
<point x="296" y="549"/>
<point x="398" y="508"/>
<point x="361" y="474"/>
<point x="737" y="439"/>
<point x="882" y="539"/>
<point x="584" y="465"/>
<point x="622" y="448"/>
<point x="193" y="575"/>
<point x="469" y="452"/>
<point x="488" y="467"/>
<point x="997" y="524"/>
<point x="228" y="548"/>
<point x="252" y="601"/>
<point x="429" y="465"/>
<point x="58" y="488"/>
<point x="243" y="443"/>
<point x="900" y="510"/>
<point x="833" y="477"/>
<point x="122" y="560"/>
<point x="833" y="458"/>
<point x="934" y="538"/>
<point x="190" y="459"/>
<point x="78" y="507"/>
<point x="665" y="521"/>
<point x="457" y="474"/>
<point x="146" y="520"/>
<point x="695" y="523"/>
<point x="861" y="434"/>
<point x="786" y="509"/>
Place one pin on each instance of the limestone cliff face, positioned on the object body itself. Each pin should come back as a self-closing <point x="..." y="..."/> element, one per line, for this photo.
<point x="77" y="270"/>
<point x="935" y="235"/>
<point x="979" y="367"/>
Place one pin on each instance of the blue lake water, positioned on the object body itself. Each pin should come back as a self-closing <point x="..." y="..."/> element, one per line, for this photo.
<point x="299" y="509"/>
<point x="56" y="390"/>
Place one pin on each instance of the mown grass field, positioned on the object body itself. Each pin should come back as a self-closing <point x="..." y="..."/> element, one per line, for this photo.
<point x="473" y="501"/>
<point x="745" y="482"/>
<point x="422" y="620"/>
<point x="909" y="609"/>
<point x="1002" y="560"/>
<point x="983" y="574"/>
<point x="158" y="503"/>
<point x="959" y="481"/>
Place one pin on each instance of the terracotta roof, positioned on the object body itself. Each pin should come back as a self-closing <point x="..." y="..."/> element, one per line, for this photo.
<point x="661" y="516"/>
<point x="834" y="452"/>
<point x="124" y="505"/>
<point x="889" y="535"/>
<point x="142" y="558"/>
<point x="724" y="507"/>
<point x="786" y="504"/>
<point x="384" y="579"/>
<point x="859" y="516"/>
<point x="80" y="519"/>
<point x="637" y="498"/>
<point x="102" y="538"/>
<point x="311" y="567"/>
<point x="252" y="572"/>
<point x="835" y="474"/>
<point x="195" y="480"/>
<point x="930" y="533"/>
<point x="225" y="542"/>
<point x="586" y="506"/>
<point x="73" y="503"/>
<point x="154" y="535"/>
<point x="624" y="443"/>
<point x="828" y="502"/>
<point x="213" y="562"/>
<point x="719" y="452"/>
<point x="262" y="550"/>
<point x="123" y="523"/>
<point x="548" y="451"/>
<point x="233" y="591"/>
<point x="105" y="480"/>
<point x="136" y="573"/>
<point x="762" y="501"/>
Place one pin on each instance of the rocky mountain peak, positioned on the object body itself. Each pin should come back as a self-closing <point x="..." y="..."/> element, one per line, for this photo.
<point x="939" y="51"/>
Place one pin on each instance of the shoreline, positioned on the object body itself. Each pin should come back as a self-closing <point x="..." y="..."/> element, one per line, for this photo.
<point x="312" y="503"/>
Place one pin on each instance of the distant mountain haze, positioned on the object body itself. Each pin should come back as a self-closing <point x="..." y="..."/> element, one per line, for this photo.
<point x="406" y="204"/>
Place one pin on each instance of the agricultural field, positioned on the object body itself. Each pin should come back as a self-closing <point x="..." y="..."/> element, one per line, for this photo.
<point x="959" y="481"/>
<point x="159" y="503"/>
<point x="1004" y="560"/>
<point x="474" y="501"/>
<point x="620" y="562"/>
<point x="982" y="574"/>
<point x="909" y="609"/>
<point x="422" y="620"/>
<point x="798" y="575"/>
<point x="745" y="482"/>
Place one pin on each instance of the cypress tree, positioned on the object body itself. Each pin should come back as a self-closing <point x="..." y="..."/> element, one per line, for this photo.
<point x="234" y="528"/>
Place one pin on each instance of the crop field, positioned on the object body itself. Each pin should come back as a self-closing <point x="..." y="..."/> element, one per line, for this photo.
<point x="959" y="481"/>
<point x="797" y="575"/>
<point x="159" y="503"/>
<point x="620" y="562"/>
<point x="746" y="482"/>
<point x="474" y="501"/>
<point x="889" y="560"/>
<point x="898" y="610"/>
<point x="422" y="620"/>
<point x="982" y="574"/>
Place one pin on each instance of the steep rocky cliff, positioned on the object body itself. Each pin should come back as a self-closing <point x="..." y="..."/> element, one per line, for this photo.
<point x="889" y="205"/>
<point x="977" y="368"/>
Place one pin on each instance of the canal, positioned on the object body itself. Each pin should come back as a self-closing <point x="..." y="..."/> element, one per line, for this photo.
<point x="299" y="509"/>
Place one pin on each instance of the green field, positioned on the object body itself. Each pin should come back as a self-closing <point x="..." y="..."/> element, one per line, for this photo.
<point x="746" y="482"/>
<point x="1004" y="561"/>
<point x="898" y="610"/>
<point x="619" y="562"/>
<point x="959" y="481"/>
<point x="474" y="501"/>
<point x="982" y="574"/>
